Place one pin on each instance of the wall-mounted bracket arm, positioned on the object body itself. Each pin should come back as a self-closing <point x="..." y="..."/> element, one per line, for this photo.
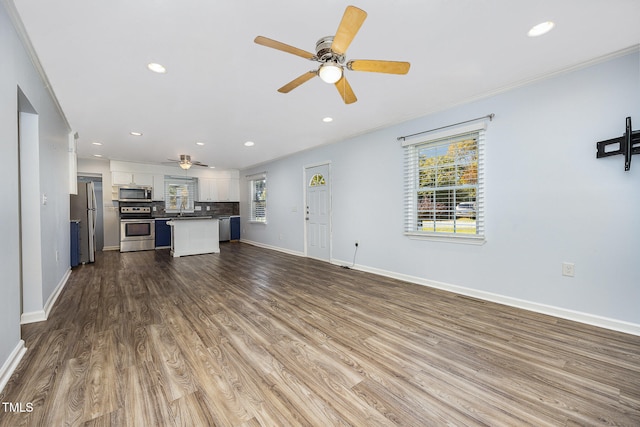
<point x="627" y="145"/>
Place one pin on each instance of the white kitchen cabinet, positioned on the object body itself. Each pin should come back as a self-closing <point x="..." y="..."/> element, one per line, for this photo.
<point x="158" y="187"/>
<point x="144" y="179"/>
<point x="207" y="190"/>
<point x="234" y="190"/>
<point x="194" y="236"/>
<point x="127" y="178"/>
<point x="121" y="178"/>
<point x="223" y="189"/>
<point x="218" y="190"/>
<point x="228" y="190"/>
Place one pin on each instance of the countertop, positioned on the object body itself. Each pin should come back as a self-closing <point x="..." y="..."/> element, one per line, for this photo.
<point x="185" y="218"/>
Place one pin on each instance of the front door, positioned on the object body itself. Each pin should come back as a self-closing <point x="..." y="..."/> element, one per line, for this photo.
<point x="318" y="212"/>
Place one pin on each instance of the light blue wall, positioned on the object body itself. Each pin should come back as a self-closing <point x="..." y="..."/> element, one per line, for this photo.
<point x="9" y="256"/>
<point x="17" y="70"/>
<point x="548" y="199"/>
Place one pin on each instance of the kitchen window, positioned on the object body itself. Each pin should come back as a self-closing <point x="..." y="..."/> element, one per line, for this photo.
<point x="444" y="186"/>
<point x="258" y="194"/>
<point x="179" y="194"/>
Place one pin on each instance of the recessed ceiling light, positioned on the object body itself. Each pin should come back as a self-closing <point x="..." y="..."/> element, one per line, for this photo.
<point x="327" y="119"/>
<point x="97" y="155"/>
<point x="200" y="143"/>
<point x="212" y="167"/>
<point x="541" y="29"/>
<point x="136" y="133"/>
<point x="157" y="68"/>
<point x="249" y="144"/>
<point x="97" y="143"/>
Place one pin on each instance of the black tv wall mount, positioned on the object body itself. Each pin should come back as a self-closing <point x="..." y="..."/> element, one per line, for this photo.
<point x="628" y="145"/>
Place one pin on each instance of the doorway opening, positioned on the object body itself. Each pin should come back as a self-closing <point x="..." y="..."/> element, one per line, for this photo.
<point x="29" y="205"/>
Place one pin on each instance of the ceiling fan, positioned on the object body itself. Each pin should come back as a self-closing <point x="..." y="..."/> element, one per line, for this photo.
<point x="185" y="162"/>
<point x="330" y="53"/>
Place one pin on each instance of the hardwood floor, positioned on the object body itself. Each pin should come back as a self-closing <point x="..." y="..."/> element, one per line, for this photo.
<point x="252" y="337"/>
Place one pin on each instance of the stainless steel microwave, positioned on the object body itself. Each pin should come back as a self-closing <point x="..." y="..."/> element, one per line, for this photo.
<point x="134" y="194"/>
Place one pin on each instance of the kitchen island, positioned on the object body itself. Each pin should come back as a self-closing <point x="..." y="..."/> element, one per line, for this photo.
<point x="194" y="236"/>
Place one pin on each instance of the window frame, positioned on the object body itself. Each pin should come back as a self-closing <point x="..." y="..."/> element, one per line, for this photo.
<point x="253" y="208"/>
<point x="412" y="186"/>
<point x="192" y="191"/>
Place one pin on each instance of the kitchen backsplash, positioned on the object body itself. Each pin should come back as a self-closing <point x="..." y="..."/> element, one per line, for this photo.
<point x="215" y="209"/>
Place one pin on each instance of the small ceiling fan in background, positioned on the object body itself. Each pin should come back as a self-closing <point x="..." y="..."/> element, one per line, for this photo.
<point x="330" y="53"/>
<point x="185" y="162"/>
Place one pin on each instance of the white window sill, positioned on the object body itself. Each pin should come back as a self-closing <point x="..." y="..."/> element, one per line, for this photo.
<point x="434" y="237"/>
<point x="257" y="222"/>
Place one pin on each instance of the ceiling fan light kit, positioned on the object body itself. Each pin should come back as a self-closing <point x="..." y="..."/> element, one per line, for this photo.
<point x="185" y="162"/>
<point x="330" y="72"/>
<point x="330" y="53"/>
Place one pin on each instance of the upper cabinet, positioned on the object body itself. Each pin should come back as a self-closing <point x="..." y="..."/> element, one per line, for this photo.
<point x="126" y="178"/>
<point x="207" y="190"/>
<point x="228" y="190"/>
<point x="218" y="190"/>
<point x="158" y="187"/>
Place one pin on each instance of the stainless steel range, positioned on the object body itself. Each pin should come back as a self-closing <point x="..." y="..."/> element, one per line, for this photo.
<point x="137" y="228"/>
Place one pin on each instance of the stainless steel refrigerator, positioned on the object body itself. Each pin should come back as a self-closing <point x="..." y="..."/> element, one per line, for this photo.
<point x="83" y="208"/>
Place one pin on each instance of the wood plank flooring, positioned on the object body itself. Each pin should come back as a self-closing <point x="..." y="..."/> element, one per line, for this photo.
<point x="252" y="337"/>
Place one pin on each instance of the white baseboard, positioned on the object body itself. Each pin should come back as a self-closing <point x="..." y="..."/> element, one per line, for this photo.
<point x="33" y="317"/>
<point x="273" y="248"/>
<point x="42" y="315"/>
<point x="111" y="248"/>
<point x="563" y="313"/>
<point x="11" y="364"/>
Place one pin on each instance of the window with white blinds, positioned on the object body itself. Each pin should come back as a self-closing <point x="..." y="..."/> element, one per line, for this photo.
<point x="444" y="185"/>
<point x="258" y="194"/>
<point x="179" y="193"/>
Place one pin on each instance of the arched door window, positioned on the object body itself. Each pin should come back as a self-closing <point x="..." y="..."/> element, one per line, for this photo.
<point x="317" y="180"/>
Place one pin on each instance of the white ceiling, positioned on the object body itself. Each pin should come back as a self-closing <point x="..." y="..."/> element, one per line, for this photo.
<point x="221" y="87"/>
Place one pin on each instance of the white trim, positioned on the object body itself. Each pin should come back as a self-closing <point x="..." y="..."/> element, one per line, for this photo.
<point x="11" y="364"/>
<point x="111" y="248"/>
<point x="56" y="293"/>
<point x="563" y="313"/>
<point x="33" y="317"/>
<point x="42" y="315"/>
<point x="274" y="248"/>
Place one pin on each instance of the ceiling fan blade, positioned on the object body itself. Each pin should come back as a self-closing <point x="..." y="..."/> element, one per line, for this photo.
<point x="351" y="22"/>
<point x="283" y="47"/>
<point x="345" y="90"/>
<point x="389" y="67"/>
<point x="199" y="164"/>
<point x="297" y="82"/>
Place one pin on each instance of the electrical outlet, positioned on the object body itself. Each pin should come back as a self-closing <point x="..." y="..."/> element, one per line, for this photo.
<point x="568" y="269"/>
